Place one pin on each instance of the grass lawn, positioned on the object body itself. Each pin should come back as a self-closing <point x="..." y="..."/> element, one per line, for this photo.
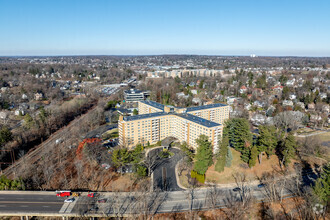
<point x="126" y="182"/>
<point x="113" y="133"/>
<point x="183" y="179"/>
<point x="267" y="165"/>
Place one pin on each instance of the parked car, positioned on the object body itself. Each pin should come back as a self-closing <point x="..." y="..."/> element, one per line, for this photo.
<point x="69" y="200"/>
<point x="91" y="195"/>
<point x="261" y="185"/>
<point x="75" y="194"/>
<point x="63" y="194"/>
<point x="102" y="200"/>
<point x="237" y="189"/>
<point x="94" y="208"/>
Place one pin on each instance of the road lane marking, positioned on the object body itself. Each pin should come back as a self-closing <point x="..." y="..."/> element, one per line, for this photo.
<point x="23" y="206"/>
<point x="64" y="207"/>
<point x="3" y="206"/>
<point x="72" y="204"/>
<point x="45" y="206"/>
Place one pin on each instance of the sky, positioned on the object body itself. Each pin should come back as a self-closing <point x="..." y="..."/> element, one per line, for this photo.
<point x="154" y="27"/>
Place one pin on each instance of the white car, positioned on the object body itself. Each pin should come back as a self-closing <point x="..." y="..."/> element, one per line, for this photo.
<point x="69" y="200"/>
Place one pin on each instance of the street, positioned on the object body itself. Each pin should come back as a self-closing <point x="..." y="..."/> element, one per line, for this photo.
<point x="164" y="172"/>
<point x="30" y="202"/>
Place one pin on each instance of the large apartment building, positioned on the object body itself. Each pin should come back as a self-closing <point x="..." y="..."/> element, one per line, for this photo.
<point x="156" y="122"/>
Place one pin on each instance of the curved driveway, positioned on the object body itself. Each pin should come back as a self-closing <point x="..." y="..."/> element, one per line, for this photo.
<point x="164" y="170"/>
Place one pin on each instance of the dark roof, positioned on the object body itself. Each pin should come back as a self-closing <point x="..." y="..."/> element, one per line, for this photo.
<point x="198" y="120"/>
<point x="124" y="110"/>
<point x="153" y="104"/>
<point x="202" y="107"/>
<point x="144" y="116"/>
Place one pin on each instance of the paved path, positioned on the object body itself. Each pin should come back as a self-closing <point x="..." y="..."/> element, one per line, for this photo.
<point x="164" y="177"/>
<point x="315" y="133"/>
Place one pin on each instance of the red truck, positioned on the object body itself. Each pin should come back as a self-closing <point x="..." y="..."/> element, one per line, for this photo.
<point x="63" y="193"/>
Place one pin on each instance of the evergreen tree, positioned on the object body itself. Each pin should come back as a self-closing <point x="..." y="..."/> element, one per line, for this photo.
<point x="28" y="121"/>
<point x="5" y="135"/>
<point x="204" y="155"/>
<point x="285" y="92"/>
<point x="267" y="140"/>
<point x="120" y="157"/>
<point x="222" y="157"/>
<point x="240" y="136"/>
<point x="287" y="149"/>
<point x="261" y="81"/>
<point x="229" y="157"/>
<point x="136" y="155"/>
<point x="201" y="84"/>
<point x="43" y="115"/>
<point x="322" y="185"/>
<point x="189" y="152"/>
<point x="283" y="79"/>
<point x="253" y="156"/>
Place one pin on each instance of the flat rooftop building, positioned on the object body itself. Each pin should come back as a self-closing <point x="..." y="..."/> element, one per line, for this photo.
<point x="135" y="95"/>
<point x="155" y="122"/>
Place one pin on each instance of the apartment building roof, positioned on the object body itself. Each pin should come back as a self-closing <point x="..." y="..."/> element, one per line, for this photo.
<point x="198" y="120"/>
<point x="189" y="117"/>
<point x="144" y="116"/>
<point x="202" y="107"/>
<point x="153" y="104"/>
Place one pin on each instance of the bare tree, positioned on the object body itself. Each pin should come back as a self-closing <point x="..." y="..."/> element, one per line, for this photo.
<point x="235" y="209"/>
<point x="288" y="119"/>
<point x="190" y="196"/>
<point x="184" y="164"/>
<point x="274" y="185"/>
<point x="310" y="145"/>
<point x="148" y="203"/>
<point x="151" y="161"/>
<point x="212" y="198"/>
<point x="48" y="171"/>
<point x="244" y="187"/>
<point x="303" y="199"/>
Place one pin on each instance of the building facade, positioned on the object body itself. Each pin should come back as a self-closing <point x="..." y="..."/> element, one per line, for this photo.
<point x="135" y="95"/>
<point x="155" y="122"/>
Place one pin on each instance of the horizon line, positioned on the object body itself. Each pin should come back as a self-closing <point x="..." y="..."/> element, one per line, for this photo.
<point x="140" y="55"/>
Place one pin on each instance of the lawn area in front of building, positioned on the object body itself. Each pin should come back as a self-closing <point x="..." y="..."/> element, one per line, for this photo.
<point x="225" y="177"/>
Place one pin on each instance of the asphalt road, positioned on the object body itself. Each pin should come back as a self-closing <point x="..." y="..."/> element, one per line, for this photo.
<point x="30" y="202"/>
<point x="100" y="130"/>
<point x="119" y="203"/>
<point x="164" y="172"/>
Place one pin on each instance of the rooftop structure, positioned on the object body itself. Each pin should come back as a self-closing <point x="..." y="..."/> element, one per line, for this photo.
<point x="135" y="95"/>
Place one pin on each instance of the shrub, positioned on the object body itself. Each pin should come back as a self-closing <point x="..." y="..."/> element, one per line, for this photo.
<point x="141" y="170"/>
<point x="7" y="184"/>
<point x="199" y="177"/>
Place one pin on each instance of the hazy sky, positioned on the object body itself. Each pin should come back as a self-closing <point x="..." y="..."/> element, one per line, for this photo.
<point x="134" y="27"/>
